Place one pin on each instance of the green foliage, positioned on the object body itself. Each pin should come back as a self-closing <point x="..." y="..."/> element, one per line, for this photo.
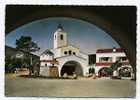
<point x="125" y="72"/>
<point x="11" y="64"/>
<point x="106" y="71"/>
<point x="7" y="60"/>
<point x="10" y="68"/>
<point x="116" y="65"/>
<point x="25" y="43"/>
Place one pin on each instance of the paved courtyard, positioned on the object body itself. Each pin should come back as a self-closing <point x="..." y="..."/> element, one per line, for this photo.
<point x="20" y="86"/>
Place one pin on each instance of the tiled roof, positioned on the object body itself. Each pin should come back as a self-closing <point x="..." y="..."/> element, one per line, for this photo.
<point x="110" y="63"/>
<point x="47" y="52"/>
<point x="117" y="50"/>
<point x="50" y="61"/>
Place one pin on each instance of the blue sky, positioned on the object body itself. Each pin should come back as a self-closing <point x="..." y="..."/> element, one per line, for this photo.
<point x="84" y="35"/>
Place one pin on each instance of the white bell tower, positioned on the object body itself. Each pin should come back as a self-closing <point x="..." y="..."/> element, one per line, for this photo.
<point x="60" y="37"/>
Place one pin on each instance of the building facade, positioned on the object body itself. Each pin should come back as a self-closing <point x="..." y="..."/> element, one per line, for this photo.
<point x="106" y="57"/>
<point x="68" y="58"/>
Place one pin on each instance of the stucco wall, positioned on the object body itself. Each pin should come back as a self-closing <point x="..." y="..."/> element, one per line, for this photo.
<point x="69" y="48"/>
<point x="82" y="62"/>
<point x="46" y="57"/>
<point x="113" y="55"/>
<point x="57" y="39"/>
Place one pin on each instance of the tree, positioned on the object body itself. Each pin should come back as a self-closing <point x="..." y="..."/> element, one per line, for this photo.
<point x="116" y="65"/>
<point x="105" y="71"/>
<point x="11" y="64"/>
<point x="26" y="44"/>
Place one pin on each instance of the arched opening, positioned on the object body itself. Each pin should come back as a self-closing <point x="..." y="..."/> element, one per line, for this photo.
<point x="105" y="72"/>
<point x="70" y="67"/>
<point x="125" y="72"/>
<point x="61" y="37"/>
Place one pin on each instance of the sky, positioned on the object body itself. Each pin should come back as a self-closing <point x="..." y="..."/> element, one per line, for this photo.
<point x="86" y="36"/>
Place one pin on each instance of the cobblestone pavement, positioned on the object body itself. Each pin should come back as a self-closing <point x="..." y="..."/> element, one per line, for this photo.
<point x="103" y="87"/>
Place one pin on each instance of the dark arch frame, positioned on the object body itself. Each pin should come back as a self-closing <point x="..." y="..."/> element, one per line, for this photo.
<point x="122" y="28"/>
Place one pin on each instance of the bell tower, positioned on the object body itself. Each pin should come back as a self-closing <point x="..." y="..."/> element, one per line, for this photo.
<point x="60" y="37"/>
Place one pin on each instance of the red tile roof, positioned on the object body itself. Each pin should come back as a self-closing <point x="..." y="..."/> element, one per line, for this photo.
<point x="110" y="63"/>
<point x="110" y="50"/>
<point x="50" y="61"/>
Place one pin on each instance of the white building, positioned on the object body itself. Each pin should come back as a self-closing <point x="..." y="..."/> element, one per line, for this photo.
<point x="67" y="57"/>
<point x="106" y="57"/>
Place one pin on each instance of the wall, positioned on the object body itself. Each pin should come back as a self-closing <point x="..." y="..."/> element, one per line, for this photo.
<point x="57" y="40"/>
<point x="68" y="48"/>
<point x="82" y="62"/>
<point x="113" y="55"/>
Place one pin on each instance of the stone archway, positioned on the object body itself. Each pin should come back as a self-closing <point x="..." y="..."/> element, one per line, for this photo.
<point x="72" y="66"/>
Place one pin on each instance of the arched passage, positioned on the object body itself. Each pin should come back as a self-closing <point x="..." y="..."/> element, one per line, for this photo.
<point x="105" y="71"/>
<point x="125" y="71"/>
<point x="70" y="67"/>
